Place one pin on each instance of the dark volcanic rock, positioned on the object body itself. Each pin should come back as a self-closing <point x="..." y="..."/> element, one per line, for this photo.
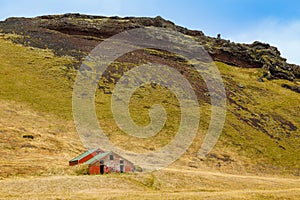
<point x="76" y="35"/>
<point x="255" y="55"/>
<point x="292" y="87"/>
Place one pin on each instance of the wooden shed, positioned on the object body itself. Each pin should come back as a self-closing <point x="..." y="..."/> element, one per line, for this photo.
<point x="109" y="162"/>
<point x="82" y="158"/>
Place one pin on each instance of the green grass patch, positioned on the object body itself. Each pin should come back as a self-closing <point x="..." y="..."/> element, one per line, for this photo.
<point x="36" y="77"/>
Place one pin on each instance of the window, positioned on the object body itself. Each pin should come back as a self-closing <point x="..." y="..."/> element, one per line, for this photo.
<point x="122" y="162"/>
<point x="111" y="157"/>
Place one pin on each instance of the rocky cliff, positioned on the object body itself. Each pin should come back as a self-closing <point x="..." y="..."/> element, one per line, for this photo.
<point x="75" y="35"/>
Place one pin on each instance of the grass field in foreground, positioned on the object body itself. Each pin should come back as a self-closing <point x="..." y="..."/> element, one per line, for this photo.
<point x="165" y="184"/>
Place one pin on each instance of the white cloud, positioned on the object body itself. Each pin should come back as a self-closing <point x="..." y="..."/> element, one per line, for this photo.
<point x="285" y="36"/>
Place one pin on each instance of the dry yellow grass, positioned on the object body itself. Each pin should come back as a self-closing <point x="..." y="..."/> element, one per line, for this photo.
<point x="165" y="184"/>
<point x="55" y="141"/>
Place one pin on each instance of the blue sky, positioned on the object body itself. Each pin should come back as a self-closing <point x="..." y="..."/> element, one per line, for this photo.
<point x="276" y="22"/>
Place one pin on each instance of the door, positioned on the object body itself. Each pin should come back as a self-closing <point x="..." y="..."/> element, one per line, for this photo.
<point x="101" y="167"/>
<point x="121" y="166"/>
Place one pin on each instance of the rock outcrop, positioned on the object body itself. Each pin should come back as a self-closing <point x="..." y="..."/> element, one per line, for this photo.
<point x="76" y="35"/>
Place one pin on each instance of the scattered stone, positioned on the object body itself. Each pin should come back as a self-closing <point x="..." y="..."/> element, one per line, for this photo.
<point x="138" y="169"/>
<point x="260" y="79"/>
<point x="28" y="136"/>
<point x="107" y="91"/>
<point x="207" y="94"/>
<point x="241" y="85"/>
<point x="282" y="147"/>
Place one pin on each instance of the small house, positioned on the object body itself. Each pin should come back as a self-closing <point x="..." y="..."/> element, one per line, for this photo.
<point x="108" y="162"/>
<point x="100" y="162"/>
<point x="82" y="158"/>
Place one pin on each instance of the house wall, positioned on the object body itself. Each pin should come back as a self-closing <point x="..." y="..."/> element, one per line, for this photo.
<point x="94" y="169"/>
<point x="112" y="165"/>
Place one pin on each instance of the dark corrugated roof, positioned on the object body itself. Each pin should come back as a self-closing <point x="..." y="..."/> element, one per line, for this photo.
<point x="84" y="154"/>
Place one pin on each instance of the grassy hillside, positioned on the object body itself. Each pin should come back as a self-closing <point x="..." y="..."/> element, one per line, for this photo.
<point x="35" y="76"/>
<point x="36" y="102"/>
<point x="260" y="134"/>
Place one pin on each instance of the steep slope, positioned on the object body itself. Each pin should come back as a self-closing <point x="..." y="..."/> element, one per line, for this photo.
<point x="76" y="35"/>
<point x="261" y="133"/>
<point x="36" y="131"/>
